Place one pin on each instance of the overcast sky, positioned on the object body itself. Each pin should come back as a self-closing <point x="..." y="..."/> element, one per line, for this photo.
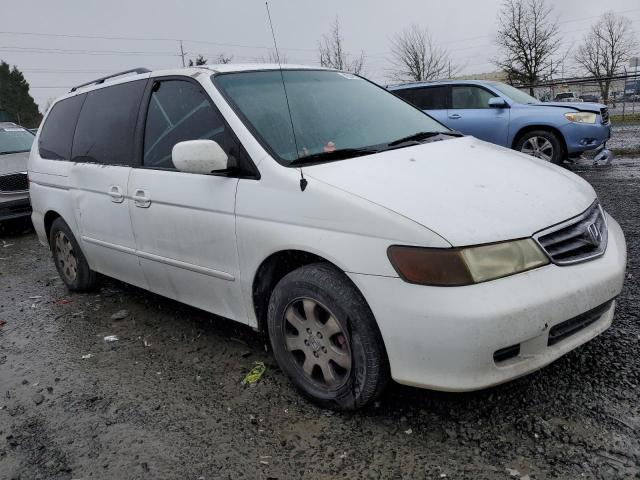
<point x="53" y="64"/>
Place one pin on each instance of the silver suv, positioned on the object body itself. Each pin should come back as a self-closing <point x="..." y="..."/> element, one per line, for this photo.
<point x="15" y="144"/>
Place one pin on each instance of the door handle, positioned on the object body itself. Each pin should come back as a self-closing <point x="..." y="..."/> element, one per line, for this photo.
<point x="454" y="116"/>
<point x="115" y="192"/>
<point x="141" y="198"/>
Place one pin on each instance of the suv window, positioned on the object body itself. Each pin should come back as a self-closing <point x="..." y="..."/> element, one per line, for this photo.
<point x="469" y="96"/>
<point x="57" y="132"/>
<point x="105" y="131"/>
<point x="180" y="110"/>
<point x="425" y="98"/>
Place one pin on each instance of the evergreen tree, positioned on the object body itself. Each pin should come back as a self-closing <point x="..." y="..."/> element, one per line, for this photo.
<point x="15" y="98"/>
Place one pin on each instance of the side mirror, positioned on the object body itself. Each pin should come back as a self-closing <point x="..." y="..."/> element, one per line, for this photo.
<point x="199" y="156"/>
<point x="498" y="102"/>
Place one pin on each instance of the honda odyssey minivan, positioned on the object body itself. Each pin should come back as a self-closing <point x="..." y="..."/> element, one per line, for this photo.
<point x="367" y="240"/>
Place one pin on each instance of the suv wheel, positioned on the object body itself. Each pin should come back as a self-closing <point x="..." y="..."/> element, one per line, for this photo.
<point x="541" y="144"/>
<point x="325" y="338"/>
<point x="70" y="262"/>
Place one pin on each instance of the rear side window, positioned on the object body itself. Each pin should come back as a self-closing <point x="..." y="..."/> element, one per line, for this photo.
<point x="105" y="131"/>
<point x="178" y="111"/>
<point x="56" y="135"/>
<point x="425" y="98"/>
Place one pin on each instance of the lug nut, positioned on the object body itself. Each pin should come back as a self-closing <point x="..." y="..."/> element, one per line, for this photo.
<point x="319" y="335"/>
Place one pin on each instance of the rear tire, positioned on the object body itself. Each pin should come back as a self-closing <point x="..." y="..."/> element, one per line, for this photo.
<point x="324" y="337"/>
<point x="70" y="262"/>
<point x="541" y="144"/>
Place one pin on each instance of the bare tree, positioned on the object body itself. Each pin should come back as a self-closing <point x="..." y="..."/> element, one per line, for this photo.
<point x="200" y="60"/>
<point x="416" y="57"/>
<point x="333" y="55"/>
<point x="222" y="58"/>
<point x="607" y="47"/>
<point x="527" y="39"/>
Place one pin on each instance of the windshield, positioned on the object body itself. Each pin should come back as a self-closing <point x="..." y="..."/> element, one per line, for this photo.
<point x="14" y="140"/>
<point x="514" y="94"/>
<point x="330" y="112"/>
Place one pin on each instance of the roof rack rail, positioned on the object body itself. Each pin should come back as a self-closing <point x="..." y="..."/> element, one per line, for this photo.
<point x="98" y="81"/>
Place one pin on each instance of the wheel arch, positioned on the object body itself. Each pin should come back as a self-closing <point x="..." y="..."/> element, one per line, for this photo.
<point x="530" y="128"/>
<point x="49" y="218"/>
<point x="273" y="268"/>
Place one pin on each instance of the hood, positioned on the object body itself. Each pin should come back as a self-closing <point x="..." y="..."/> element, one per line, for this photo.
<point x="13" y="162"/>
<point x="579" y="106"/>
<point x="468" y="191"/>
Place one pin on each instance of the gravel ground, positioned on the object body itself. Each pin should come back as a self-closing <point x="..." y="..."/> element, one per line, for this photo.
<point x="165" y="400"/>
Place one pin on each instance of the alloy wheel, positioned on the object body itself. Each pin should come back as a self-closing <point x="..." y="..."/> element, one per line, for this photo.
<point x="317" y="343"/>
<point x="66" y="257"/>
<point x="538" y="147"/>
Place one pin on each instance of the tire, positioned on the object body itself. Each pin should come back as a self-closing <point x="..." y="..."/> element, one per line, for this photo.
<point x="335" y="356"/>
<point x="542" y="144"/>
<point x="70" y="262"/>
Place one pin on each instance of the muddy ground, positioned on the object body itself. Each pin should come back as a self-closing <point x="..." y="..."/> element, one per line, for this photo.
<point x="166" y="399"/>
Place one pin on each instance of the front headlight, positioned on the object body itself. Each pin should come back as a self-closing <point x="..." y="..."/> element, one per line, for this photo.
<point x="464" y="266"/>
<point x="581" y="117"/>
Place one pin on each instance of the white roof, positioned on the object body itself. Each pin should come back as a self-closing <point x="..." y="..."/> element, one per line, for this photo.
<point x="190" y="71"/>
<point x="233" y="67"/>
<point x="243" y="67"/>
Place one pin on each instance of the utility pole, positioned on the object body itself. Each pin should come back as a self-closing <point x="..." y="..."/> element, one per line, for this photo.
<point x="182" y="53"/>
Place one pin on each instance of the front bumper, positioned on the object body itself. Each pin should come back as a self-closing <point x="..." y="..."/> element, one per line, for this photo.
<point x="580" y="137"/>
<point x="14" y="208"/>
<point x="445" y="338"/>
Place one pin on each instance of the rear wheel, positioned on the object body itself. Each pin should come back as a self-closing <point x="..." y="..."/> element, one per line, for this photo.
<point x="325" y="338"/>
<point x="70" y="262"/>
<point x="541" y="144"/>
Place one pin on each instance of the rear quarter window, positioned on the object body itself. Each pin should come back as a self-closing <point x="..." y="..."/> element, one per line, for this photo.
<point x="56" y="135"/>
<point x="106" y="126"/>
<point x="425" y="98"/>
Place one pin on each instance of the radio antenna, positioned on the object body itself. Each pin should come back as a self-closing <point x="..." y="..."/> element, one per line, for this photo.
<point x="303" y="181"/>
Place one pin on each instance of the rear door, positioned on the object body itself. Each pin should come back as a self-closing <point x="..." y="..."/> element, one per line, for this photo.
<point x="470" y="114"/>
<point x="184" y="223"/>
<point x="103" y="153"/>
<point x="431" y="100"/>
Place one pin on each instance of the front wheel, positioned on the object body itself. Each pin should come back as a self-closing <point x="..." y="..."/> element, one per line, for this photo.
<point x="541" y="144"/>
<point x="325" y="338"/>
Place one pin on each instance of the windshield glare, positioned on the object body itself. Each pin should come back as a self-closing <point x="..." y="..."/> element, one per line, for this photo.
<point x="514" y="94"/>
<point x="13" y="140"/>
<point x="329" y="111"/>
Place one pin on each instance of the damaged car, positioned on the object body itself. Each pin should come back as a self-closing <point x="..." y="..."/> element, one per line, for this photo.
<point x="367" y="240"/>
<point x="502" y="114"/>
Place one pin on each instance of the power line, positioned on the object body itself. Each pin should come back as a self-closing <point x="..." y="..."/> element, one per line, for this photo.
<point x="68" y="51"/>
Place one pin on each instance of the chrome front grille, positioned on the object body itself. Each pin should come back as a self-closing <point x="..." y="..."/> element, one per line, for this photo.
<point x="604" y="113"/>
<point x="14" y="182"/>
<point x="578" y="239"/>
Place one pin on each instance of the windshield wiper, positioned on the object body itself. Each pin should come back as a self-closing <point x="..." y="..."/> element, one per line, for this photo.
<point x="340" y="154"/>
<point x="13" y="151"/>
<point x="417" y="137"/>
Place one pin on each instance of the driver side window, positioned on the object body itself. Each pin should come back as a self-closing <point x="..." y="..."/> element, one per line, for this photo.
<point x="468" y="96"/>
<point x="179" y="110"/>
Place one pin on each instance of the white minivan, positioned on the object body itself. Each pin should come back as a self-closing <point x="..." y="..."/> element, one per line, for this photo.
<point x="367" y="240"/>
